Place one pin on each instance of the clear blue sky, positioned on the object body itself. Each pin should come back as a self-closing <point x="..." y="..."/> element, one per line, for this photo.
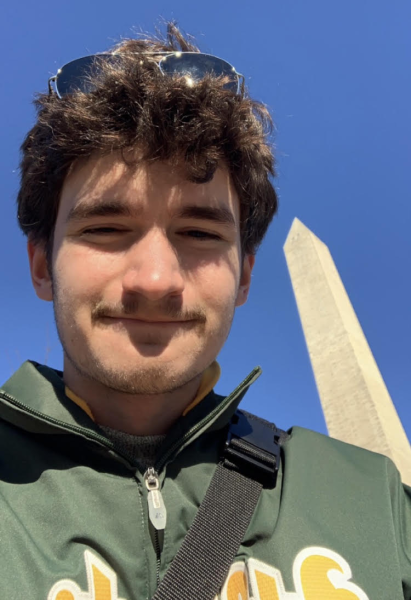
<point x="337" y="78"/>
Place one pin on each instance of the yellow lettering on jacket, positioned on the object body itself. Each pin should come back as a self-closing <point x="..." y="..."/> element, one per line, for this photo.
<point x="320" y="578"/>
<point x="236" y="585"/>
<point x="266" y="582"/>
<point x="318" y="574"/>
<point x="102" y="583"/>
<point x="267" y="586"/>
<point x="65" y="595"/>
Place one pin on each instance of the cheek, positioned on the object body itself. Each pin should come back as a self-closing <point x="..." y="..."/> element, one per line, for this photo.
<point x="82" y="273"/>
<point x="217" y="287"/>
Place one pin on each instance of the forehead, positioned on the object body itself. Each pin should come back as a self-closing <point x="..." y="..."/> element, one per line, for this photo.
<point x="143" y="187"/>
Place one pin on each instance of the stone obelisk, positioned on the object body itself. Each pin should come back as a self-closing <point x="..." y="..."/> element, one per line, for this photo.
<point x="356" y="403"/>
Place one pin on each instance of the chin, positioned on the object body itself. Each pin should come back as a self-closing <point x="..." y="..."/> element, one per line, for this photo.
<point x="145" y="356"/>
<point x="141" y="375"/>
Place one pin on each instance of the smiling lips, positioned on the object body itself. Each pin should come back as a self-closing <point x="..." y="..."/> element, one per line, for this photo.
<point x="144" y="321"/>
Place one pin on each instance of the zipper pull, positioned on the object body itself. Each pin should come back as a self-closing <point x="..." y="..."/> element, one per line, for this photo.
<point x="156" y="508"/>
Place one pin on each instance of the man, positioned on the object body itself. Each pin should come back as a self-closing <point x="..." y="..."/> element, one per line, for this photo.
<point x="144" y="194"/>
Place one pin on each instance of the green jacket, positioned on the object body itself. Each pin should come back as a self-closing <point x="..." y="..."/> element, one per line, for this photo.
<point x="74" y="517"/>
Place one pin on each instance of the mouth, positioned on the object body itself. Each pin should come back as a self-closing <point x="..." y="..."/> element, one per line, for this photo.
<point x="130" y="321"/>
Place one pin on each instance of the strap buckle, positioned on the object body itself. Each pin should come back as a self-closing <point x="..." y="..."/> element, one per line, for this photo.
<point x="252" y="447"/>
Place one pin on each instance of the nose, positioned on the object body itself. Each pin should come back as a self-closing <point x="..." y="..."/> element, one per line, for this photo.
<point x="153" y="267"/>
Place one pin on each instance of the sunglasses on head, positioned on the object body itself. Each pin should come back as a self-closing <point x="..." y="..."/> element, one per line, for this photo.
<point x="193" y="66"/>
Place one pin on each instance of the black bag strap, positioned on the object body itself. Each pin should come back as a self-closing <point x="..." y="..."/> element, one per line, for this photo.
<point x="250" y="461"/>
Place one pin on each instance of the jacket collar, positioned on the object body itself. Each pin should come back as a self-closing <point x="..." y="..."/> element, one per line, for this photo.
<point x="34" y="399"/>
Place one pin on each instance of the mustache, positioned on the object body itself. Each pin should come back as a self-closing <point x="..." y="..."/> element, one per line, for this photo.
<point x="139" y="309"/>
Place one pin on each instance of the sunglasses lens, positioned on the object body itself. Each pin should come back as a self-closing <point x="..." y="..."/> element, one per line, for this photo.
<point x="195" y="66"/>
<point x="79" y="75"/>
<point x="76" y="75"/>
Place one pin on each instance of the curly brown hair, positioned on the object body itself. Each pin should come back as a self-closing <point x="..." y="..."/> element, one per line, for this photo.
<point x="134" y="105"/>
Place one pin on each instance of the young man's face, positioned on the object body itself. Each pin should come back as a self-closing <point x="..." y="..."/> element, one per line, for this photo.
<point x="146" y="273"/>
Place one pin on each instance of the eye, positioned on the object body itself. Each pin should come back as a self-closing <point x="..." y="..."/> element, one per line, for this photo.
<point x="195" y="234"/>
<point x="101" y="231"/>
<point x="201" y="235"/>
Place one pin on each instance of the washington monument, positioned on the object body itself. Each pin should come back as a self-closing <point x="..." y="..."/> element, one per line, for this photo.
<point x="356" y="403"/>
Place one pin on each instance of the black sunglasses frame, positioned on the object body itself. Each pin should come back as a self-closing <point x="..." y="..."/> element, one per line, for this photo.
<point x="226" y="69"/>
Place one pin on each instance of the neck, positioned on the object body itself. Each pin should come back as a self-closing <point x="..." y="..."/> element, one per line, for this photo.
<point x="137" y="414"/>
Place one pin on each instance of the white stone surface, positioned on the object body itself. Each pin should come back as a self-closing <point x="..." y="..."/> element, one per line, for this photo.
<point x="357" y="405"/>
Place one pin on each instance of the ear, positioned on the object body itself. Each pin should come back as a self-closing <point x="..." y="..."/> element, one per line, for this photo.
<point x="40" y="275"/>
<point x="245" y="281"/>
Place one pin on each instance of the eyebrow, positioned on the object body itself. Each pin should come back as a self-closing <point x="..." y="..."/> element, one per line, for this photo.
<point x="216" y="214"/>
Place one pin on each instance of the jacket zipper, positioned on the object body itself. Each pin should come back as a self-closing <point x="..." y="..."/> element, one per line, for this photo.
<point x="158" y="557"/>
<point x="156" y="511"/>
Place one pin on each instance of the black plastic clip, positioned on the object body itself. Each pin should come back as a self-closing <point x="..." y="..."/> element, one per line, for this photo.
<point x="253" y="448"/>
